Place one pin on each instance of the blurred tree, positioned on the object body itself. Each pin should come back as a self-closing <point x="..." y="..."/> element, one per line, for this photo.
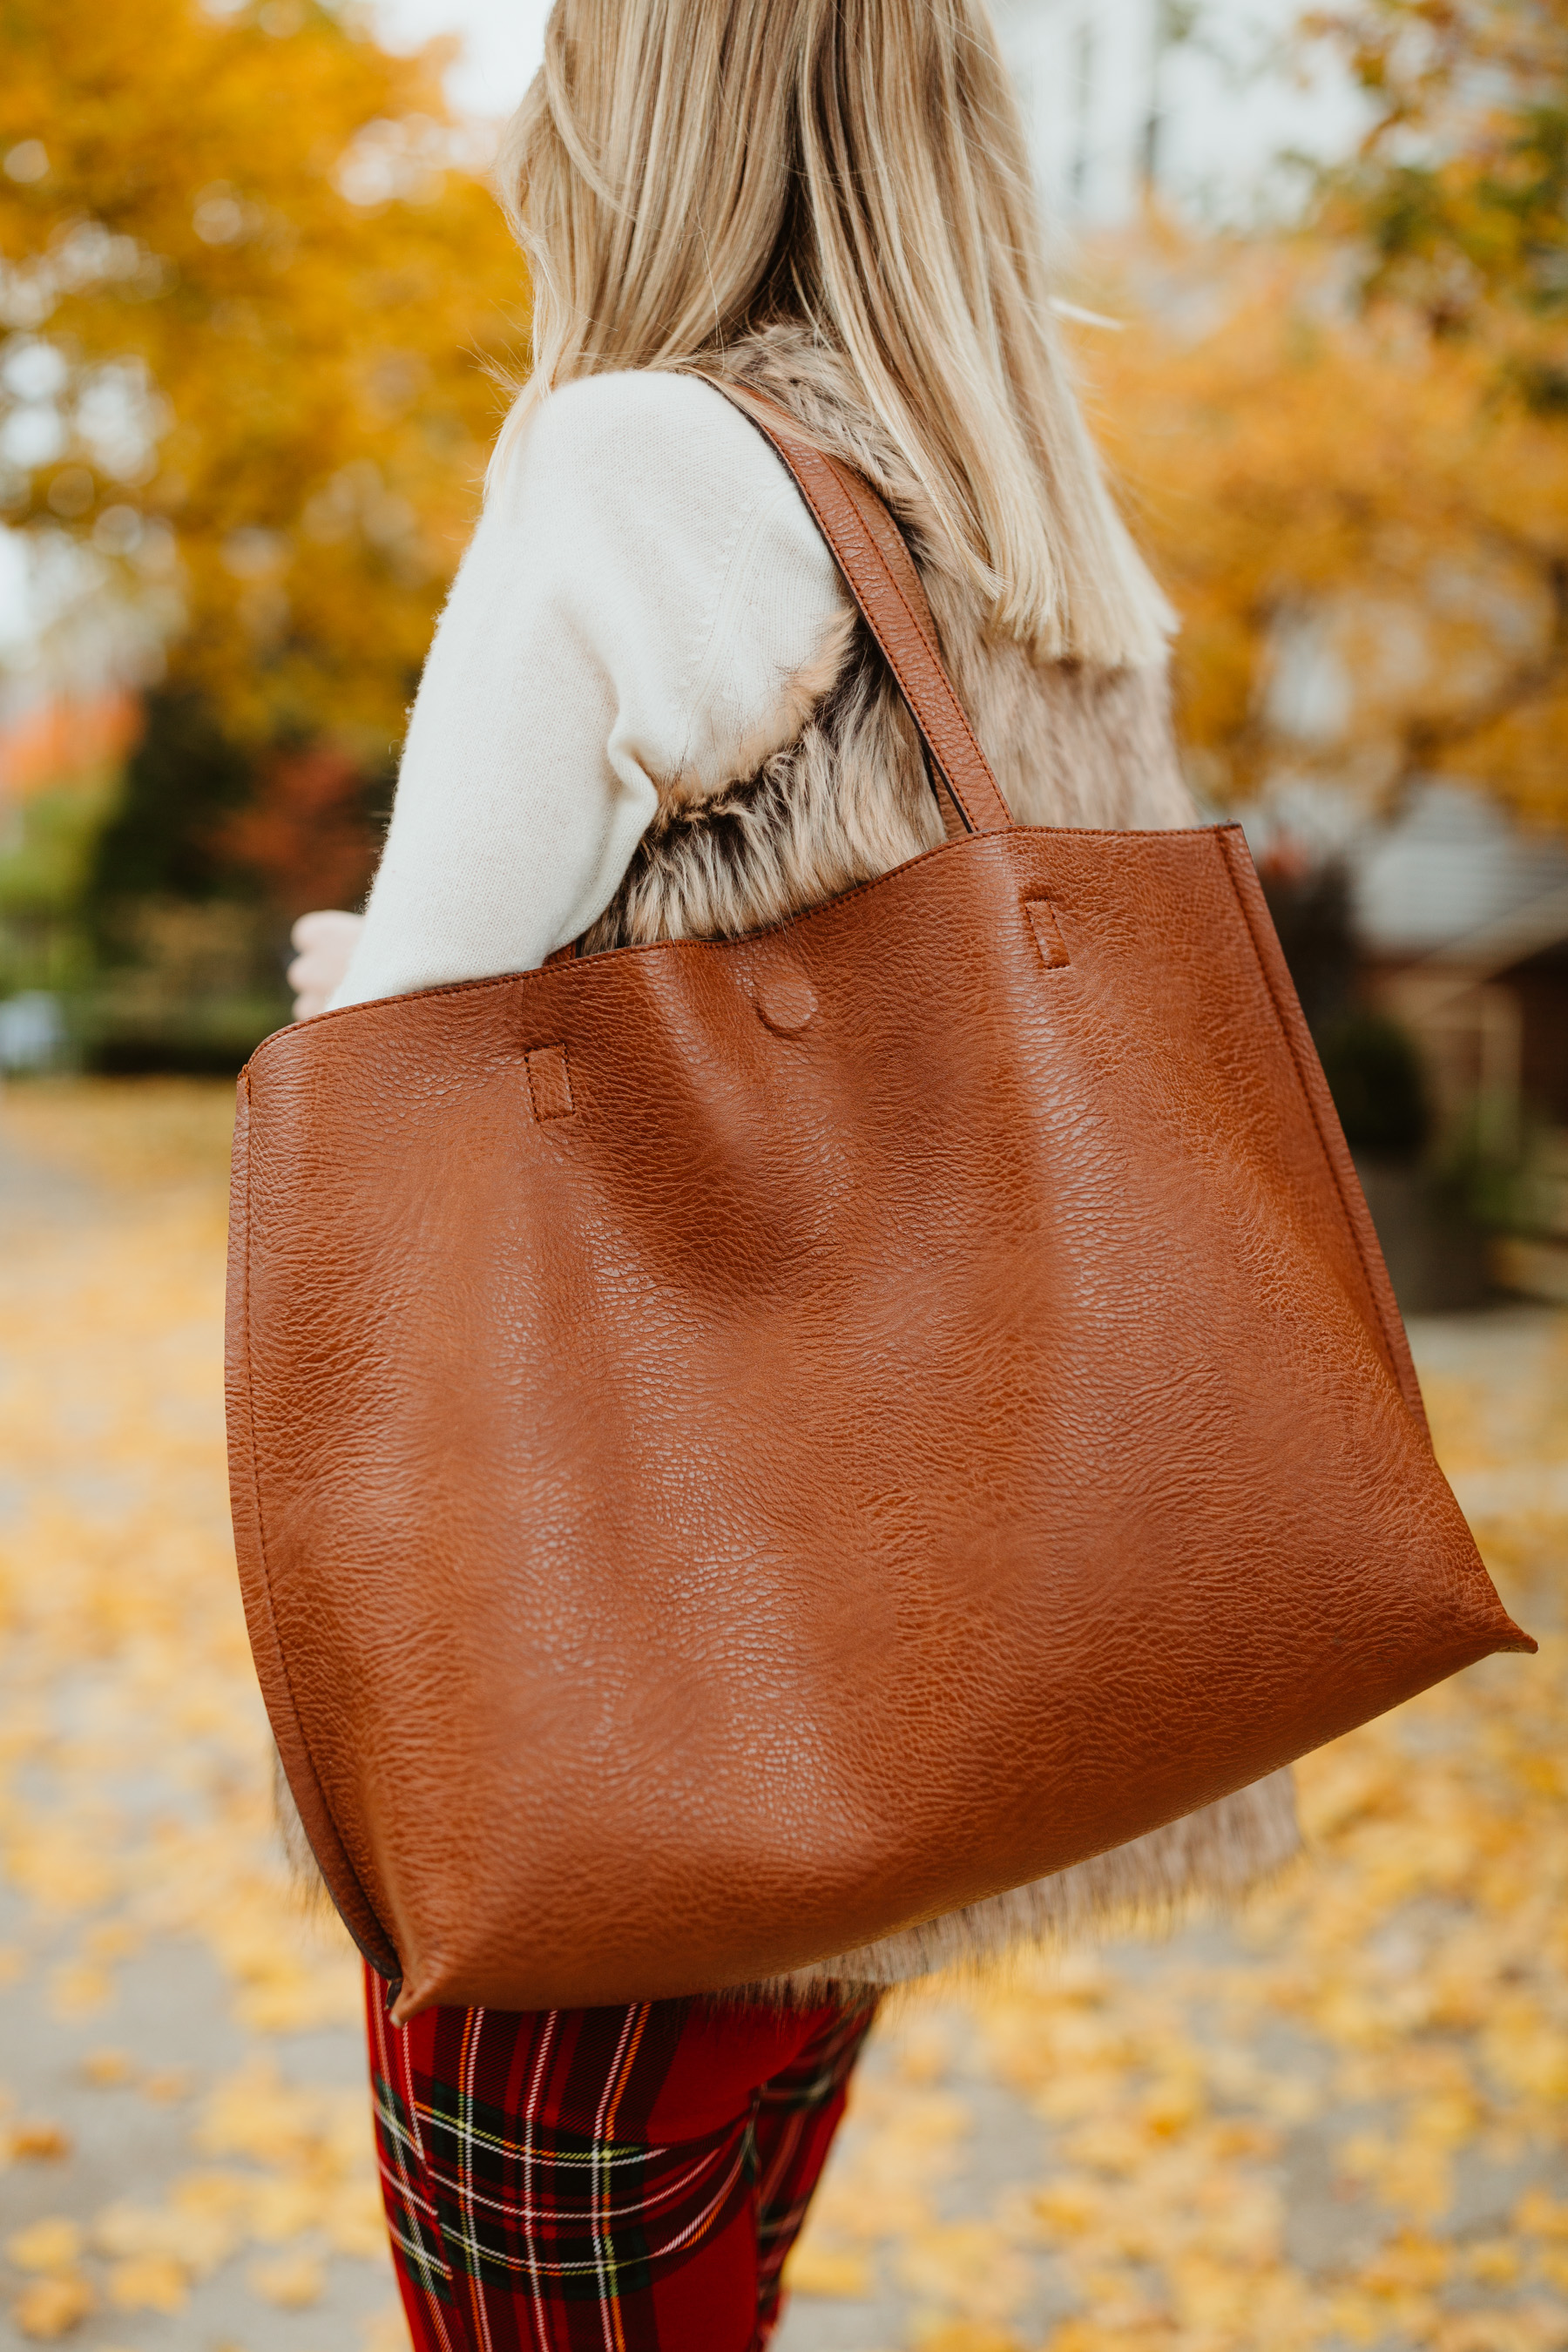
<point x="60" y="776"/>
<point x="258" y="304"/>
<point x="257" y="297"/>
<point x="183" y="782"/>
<point x="1461" y="189"/>
<point x="1310" y="903"/>
<point x="1364" y="528"/>
<point x="307" y="836"/>
<point x="1350" y="450"/>
<point x="1375" y="1076"/>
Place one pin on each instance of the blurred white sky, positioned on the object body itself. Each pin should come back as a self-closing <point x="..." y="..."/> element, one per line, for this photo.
<point x="1245" y="121"/>
<point x="502" y="41"/>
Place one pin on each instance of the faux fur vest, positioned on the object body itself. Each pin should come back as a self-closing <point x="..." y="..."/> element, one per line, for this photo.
<point x="839" y="791"/>
<point x="839" y="795"/>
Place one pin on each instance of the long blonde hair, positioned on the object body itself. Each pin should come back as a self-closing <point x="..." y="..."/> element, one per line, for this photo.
<point x="683" y="172"/>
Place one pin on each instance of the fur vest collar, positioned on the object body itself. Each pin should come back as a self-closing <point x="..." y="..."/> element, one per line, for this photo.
<point x="838" y="793"/>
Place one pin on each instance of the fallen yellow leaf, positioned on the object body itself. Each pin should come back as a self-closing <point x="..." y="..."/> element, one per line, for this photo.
<point x="293" y="2283"/>
<point x="1066" y="2207"/>
<point x="1540" y="2216"/>
<point x="1498" y="2331"/>
<point x="107" y="2069"/>
<point x="149" y="2283"/>
<point x="965" y="2335"/>
<point x="830" y="2272"/>
<point x="50" y="2245"/>
<point x="38" y="2143"/>
<point x="125" y="2229"/>
<point x="385" y="2330"/>
<point x="284" y="2207"/>
<point x="52" y="2307"/>
<point x="969" y="2265"/>
<point x="169" y="2085"/>
<point x="356" y="2220"/>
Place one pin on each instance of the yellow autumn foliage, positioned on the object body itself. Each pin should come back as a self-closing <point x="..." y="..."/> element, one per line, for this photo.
<point x="1325" y="486"/>
<point x="1397" y="2006"/>
<point x="256" y="291"/>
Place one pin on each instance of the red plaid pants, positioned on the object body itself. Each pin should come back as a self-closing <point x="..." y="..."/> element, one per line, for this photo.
<point x="629" y="2179"/>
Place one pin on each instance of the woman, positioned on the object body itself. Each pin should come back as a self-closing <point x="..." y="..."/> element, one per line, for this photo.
<point x="651" y="711"/>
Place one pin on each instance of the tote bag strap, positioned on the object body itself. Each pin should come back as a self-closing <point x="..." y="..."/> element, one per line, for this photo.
<point x="872" y="552"/>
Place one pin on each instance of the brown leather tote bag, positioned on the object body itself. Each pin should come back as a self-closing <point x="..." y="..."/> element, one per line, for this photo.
<point x="741" y="1446"/>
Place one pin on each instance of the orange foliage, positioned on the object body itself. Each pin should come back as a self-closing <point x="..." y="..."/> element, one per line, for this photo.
<point x="61" y="737"/>
<point x="1330" y="489"/>
<point x="1458" y="194"/>
<point x="306" y="834"/>
<point x="257" y="291"/>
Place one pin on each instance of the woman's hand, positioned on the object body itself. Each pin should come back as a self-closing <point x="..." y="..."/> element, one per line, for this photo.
<point x="325" y="943"/>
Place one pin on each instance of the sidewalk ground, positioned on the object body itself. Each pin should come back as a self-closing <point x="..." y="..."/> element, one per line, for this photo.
<point x="1339" y="2122"/>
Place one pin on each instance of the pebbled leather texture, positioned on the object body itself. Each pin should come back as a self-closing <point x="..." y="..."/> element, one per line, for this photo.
<point x="742" y="1447"/>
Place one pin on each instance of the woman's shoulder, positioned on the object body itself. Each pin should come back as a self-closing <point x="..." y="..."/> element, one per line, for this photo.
<point x="658" y="481"/>
<point x="651" y="423"/>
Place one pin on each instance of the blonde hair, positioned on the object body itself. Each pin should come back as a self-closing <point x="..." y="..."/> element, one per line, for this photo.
<point x="683" y="172"/>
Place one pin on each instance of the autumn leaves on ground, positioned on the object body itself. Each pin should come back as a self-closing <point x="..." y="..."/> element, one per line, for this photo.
<point x="1342" y="2121"/>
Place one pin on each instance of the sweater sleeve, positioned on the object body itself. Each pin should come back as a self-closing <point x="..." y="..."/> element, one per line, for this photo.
<point x="643" y="585"/>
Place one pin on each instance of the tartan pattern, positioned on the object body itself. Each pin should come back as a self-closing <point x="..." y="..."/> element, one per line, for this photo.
<point x="797" y="2113"/>
<point x="533" y="2203"/>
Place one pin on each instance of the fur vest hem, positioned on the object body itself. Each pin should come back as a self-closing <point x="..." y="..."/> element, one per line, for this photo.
<point x="1206" y="1862"/>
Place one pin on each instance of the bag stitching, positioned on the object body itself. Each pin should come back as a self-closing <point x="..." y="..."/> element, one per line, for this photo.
<point x="540" y="1117"/>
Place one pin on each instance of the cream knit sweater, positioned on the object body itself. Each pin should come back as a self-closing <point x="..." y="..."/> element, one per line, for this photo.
<point x="643" y="585"/>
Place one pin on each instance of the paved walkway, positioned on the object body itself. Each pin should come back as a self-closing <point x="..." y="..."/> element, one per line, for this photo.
<point x="1339" y="2122"/>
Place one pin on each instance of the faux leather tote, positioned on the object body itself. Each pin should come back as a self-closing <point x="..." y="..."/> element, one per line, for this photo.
<point x="740" y="1446"/>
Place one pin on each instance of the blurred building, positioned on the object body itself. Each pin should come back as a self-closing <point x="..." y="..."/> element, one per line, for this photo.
<point x="1198" y="101"/>
<point x="1461" y="919"/>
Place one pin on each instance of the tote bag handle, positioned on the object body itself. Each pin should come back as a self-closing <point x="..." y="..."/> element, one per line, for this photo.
<point x="870" y="551"/>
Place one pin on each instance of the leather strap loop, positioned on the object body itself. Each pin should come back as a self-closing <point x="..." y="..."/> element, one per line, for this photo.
<point x="872" y="552"/>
